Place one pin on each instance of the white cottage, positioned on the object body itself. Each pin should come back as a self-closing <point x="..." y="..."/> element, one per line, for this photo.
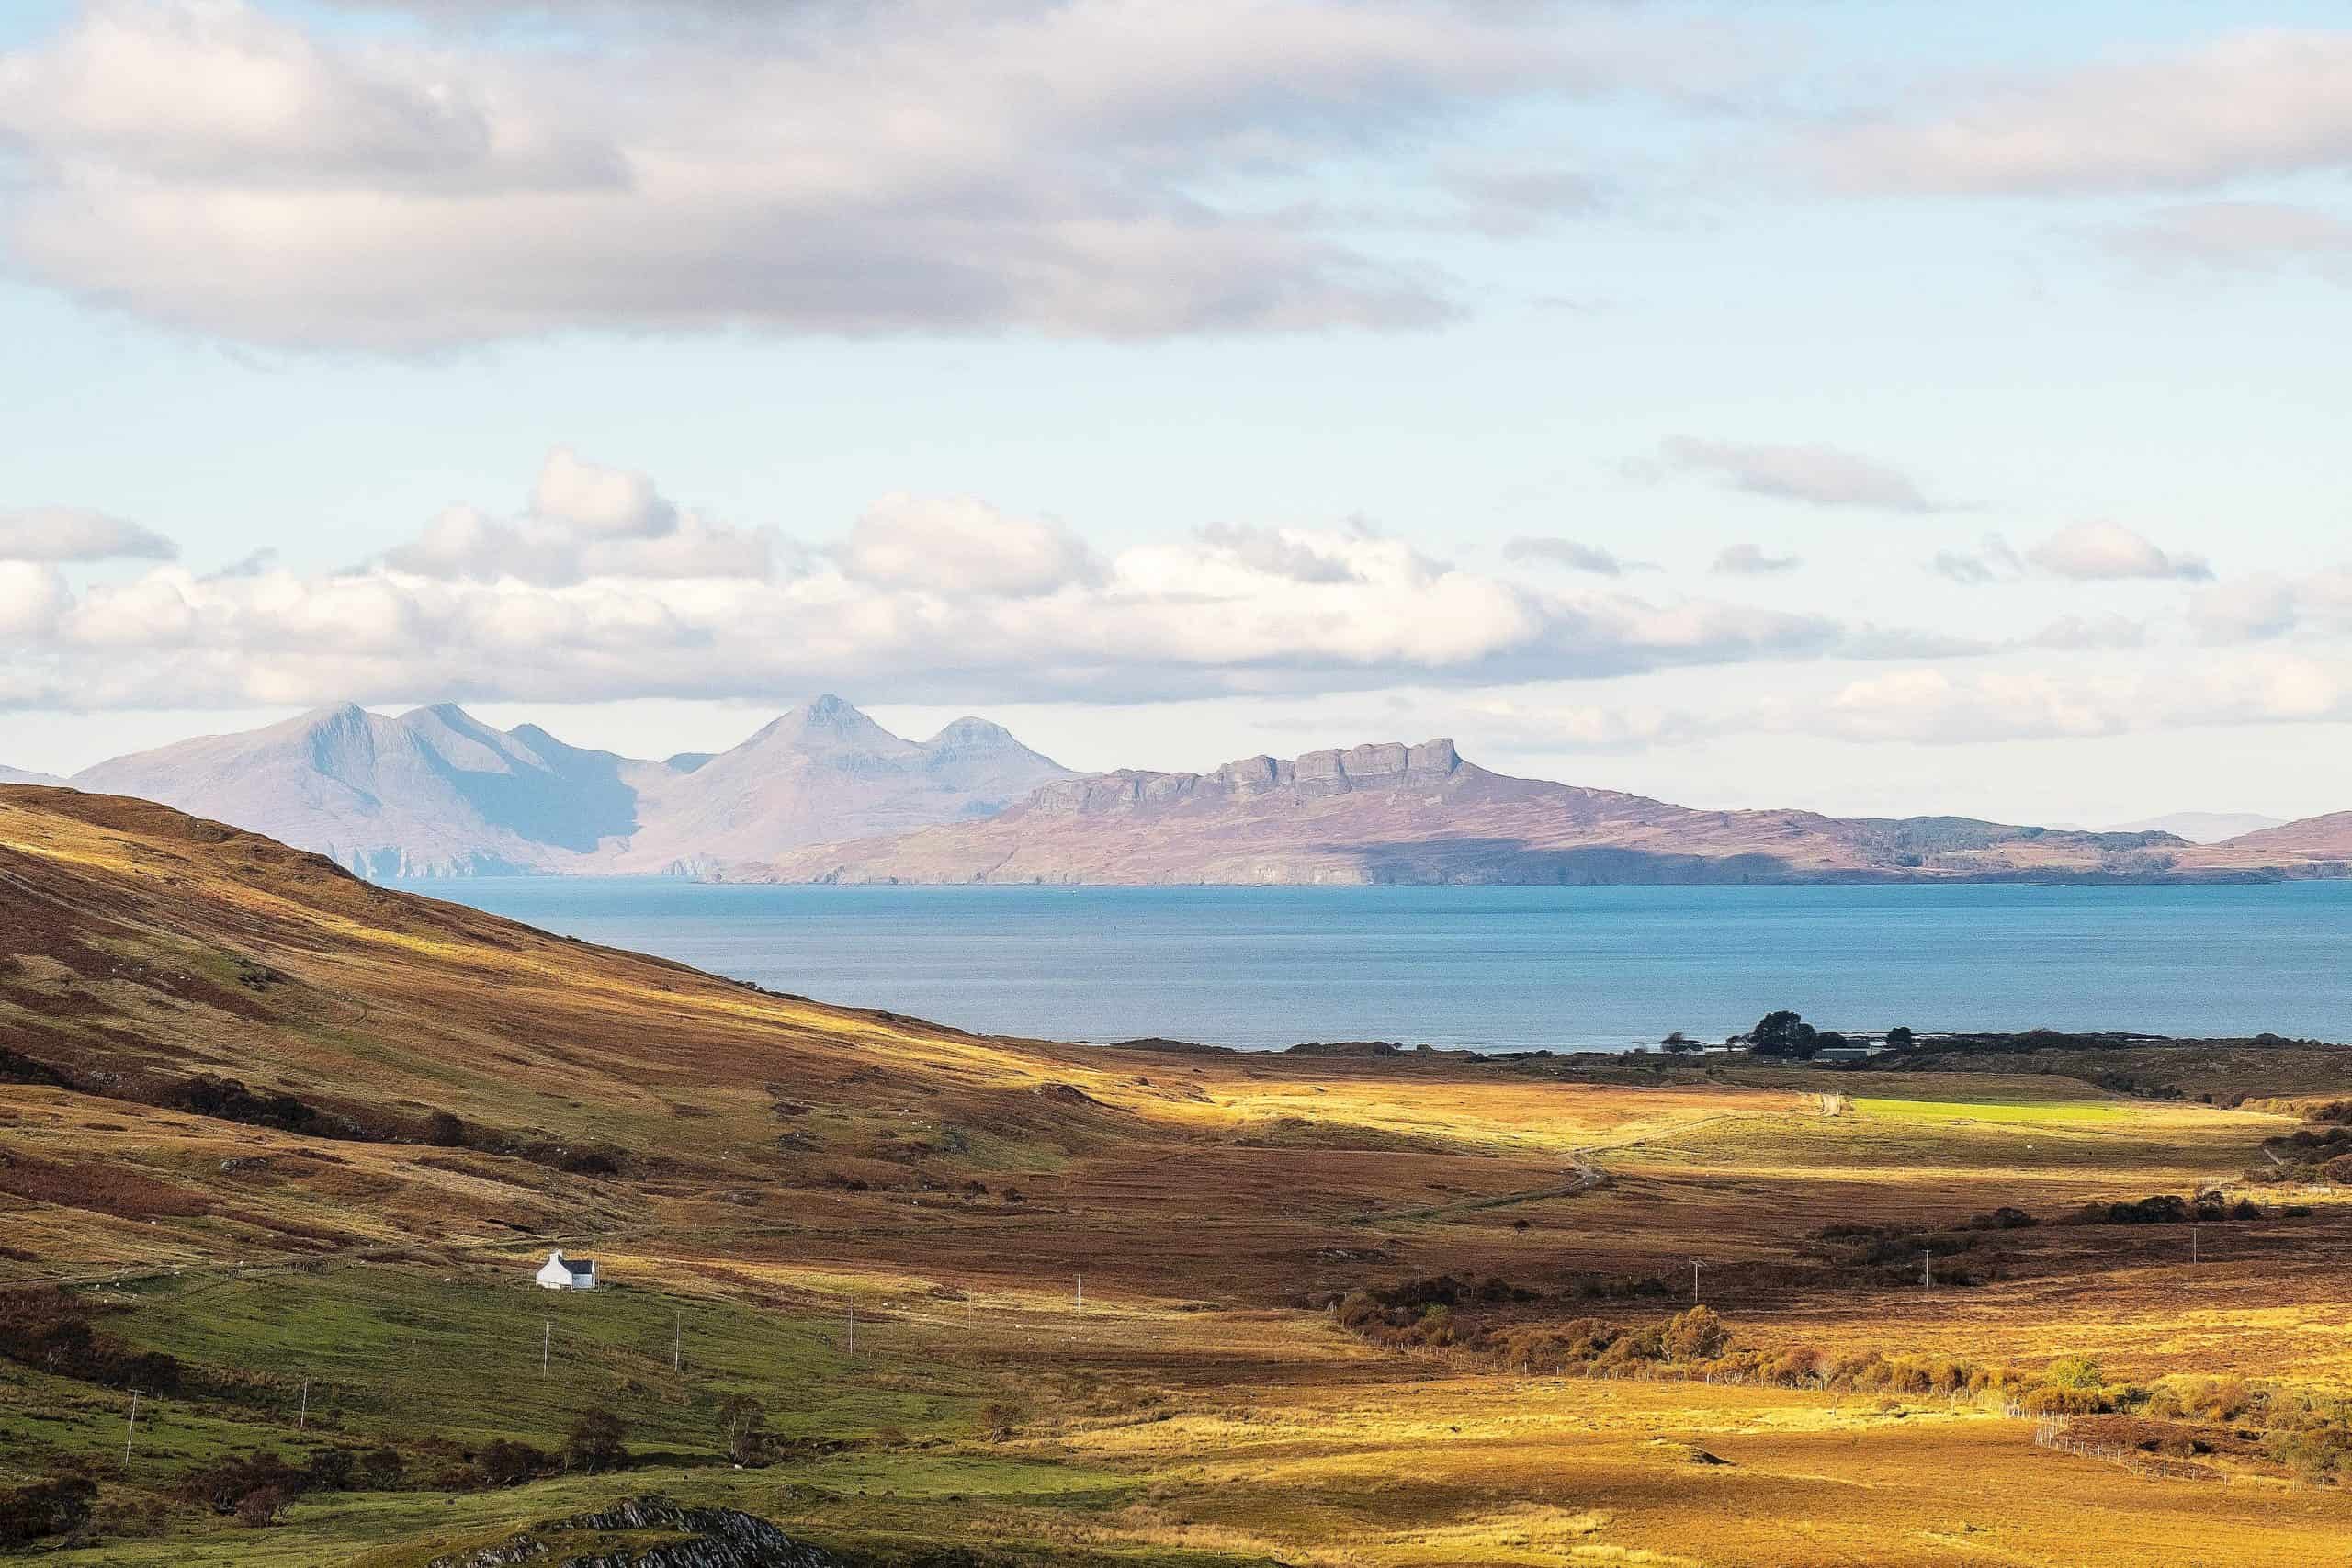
<point x="561" y="1273"/>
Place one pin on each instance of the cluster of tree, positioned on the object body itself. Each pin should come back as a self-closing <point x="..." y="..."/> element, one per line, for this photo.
<point x="58" y="1506"/>
<point x="256" y="1489"/>
<point x="2168" y="1208"/>
<point x="57" y="1333"/>
<point x="1786" y="1034"/>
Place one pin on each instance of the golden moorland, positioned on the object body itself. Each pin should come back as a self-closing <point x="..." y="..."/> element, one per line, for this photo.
<point x="280" y="1151"/>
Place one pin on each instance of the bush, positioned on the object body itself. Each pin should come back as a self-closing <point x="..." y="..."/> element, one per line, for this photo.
<point x="1697" y="1334"/>
<point x="2050" y="1401"/>
<point x="262" y="1506"/>
<point x="505" y="1463"/>
<point x="597" y="1442"/>
<point x="56" y="1506"/>
<point x="2074" y="1372"/>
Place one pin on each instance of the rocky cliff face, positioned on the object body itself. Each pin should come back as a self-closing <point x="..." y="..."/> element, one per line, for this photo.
<point x="717" y="1538"/>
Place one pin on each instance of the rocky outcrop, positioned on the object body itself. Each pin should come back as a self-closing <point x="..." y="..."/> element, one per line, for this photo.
<point x="1391" y="814"/>
<point x="715" y="1538"/>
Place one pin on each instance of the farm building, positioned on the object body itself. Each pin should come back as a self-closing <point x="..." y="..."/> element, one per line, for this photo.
<point x="561" y="1273"/>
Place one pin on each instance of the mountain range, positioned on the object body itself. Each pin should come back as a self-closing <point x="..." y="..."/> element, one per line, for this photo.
<point x="1399" y="813"/>
<point x="824" y="794"/>
<point x="19" y="775"/>
<point x="437" y="792"/>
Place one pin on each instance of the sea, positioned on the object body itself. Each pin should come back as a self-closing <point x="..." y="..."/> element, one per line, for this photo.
<point x="1494" y="968"/>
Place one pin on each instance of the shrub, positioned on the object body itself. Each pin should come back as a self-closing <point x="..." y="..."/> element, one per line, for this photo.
<point x="505" y="1463"/>
<point x="597" y="1442"/>
<point x="743" y="1428"/>
<point x="2073" y="1372"/>
<point x="262" y="1507"/>
<point x="59" y="1506"/>
<point x="1696" y="1335"/>
<point x="2053" y="1400"/>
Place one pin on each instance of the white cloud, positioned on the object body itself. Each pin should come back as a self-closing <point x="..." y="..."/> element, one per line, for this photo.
<point x="2264" y="606"/>
<point x="76" y="534"/>
<point x="2237" y="236"/>
<point x="1090" y="168"/>
<point x="1934" y="706"/>
<point x="32" y="597"/>
<point x="1991" y="561"/>
<point x="584" y="521"/>
<point x="946" y="596"/>
<point x="2243" y="106"/>
<point x="1572" y="554"/>
<point x="2099" y="550"/>
<point x="600" y="503"/>
<point x="1751" y="560"/>
<point x="957" y="545"/>
<point x="1818" y="476"/>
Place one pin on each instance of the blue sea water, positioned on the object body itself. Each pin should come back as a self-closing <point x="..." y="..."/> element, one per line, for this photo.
<point x="1495" y="968"/>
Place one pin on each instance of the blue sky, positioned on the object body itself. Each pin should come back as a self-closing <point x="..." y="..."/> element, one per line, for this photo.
<point x="1252" y="344"/>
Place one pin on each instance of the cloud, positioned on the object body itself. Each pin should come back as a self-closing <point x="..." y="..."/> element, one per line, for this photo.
<point x="2265" y="606"/>
<point x="2247" y="105"/>
<point x="959" y="545"/>
<point x="2100" y="551"/>
<point x="1750" y="560"/>
<point x="1991" y="561"/>
<point x="1572" y="554"/>
<point x="1930" y="705"/>
<point x="950" y="598"/>
<point x="33" y="597"/>
<point x="583" y="520"/>
<point x="1818" y="476"/>
<point x="1090" y="168"/>
<point x="600" y="503"/>
<point x="2240" y="236"/>
<point x="76" y="534"/>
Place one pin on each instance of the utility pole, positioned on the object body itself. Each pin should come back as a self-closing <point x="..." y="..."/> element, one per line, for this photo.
<point x="1694" y="1281"/>
<point x="302" y="1421"/>
<point x="2192" y="1241"/>
<point x="678" y="1343"/>
<point x="133" y="1429"/>
<point x="547" y="1337"/>
<point x="852" y="1331"/>
<point x="1080" y="1298"/>
<point x="1416" y="1287"/>
<point x="1927" y="1270"/>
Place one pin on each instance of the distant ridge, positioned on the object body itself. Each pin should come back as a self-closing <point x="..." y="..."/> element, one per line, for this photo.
<point x="2203" y="826"/>
<point x="1392" y="812"/>
<point x="19" y="775"/>
<point x="435" y="791"/>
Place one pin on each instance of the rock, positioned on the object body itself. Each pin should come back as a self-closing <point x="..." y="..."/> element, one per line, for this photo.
<point x="722" y="1538"/>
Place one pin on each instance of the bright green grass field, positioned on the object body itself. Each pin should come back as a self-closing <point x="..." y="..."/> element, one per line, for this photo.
<point x="402" y="1356"/>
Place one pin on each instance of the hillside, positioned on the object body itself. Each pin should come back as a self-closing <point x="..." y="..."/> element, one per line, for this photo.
<point x="435" y="791"/>
<point x="21" y="776"/>
<point x="2319" y="846"/>
<point x="1006" y="1302"/>
<point x="1394" y="813"/>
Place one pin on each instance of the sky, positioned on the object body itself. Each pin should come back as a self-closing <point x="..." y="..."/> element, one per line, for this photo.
<point x="1880" y="408"/>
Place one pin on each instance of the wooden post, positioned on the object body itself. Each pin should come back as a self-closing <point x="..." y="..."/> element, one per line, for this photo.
<point x="1694" y="1281"/>
<point x="132" y="1430"/>
<point x="678" y="1343"/>
<point x="852" y="1331"/>
<point x="302" y="1421"/>
<point x="547" y="1337"/>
